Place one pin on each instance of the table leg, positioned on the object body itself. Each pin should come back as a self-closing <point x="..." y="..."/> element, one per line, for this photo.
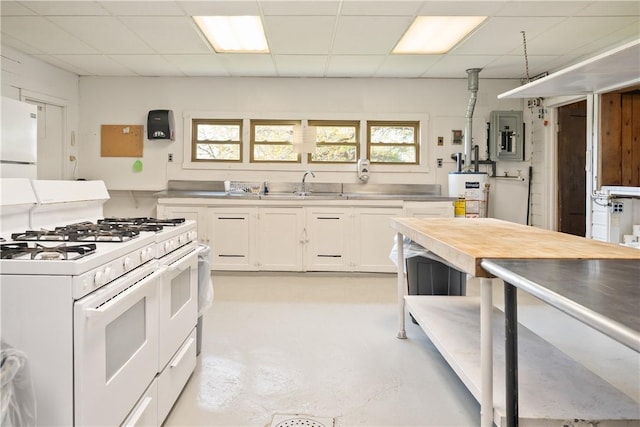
<point x="511" y="352"/>
<point x="486" y="352"/>
<point x="402" y="286"/>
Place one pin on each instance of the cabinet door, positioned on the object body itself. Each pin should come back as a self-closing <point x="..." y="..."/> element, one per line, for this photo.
<point x="373" y="239"/>
<point x="280" y="239"/>
<point x="195" y="213"/>
<point x="442" y="209"/>
<point x="232" y="238"/>
<point x="328" y="236"/>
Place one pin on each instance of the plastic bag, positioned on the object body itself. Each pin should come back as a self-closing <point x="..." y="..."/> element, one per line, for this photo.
<point x="205" y="285"/>
<point x="412" y="249"/>
<point x="17" y="395"/>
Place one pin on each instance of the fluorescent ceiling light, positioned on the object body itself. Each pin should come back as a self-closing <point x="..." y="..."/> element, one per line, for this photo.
<point x="234" y="33"/>
<point x="436" y="34"/>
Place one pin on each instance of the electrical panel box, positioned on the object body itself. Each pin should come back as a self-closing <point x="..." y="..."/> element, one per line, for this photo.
<point x="506" y="136"/>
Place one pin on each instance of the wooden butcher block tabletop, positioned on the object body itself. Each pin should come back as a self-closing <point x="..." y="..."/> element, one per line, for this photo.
<point x="464" y="242"/>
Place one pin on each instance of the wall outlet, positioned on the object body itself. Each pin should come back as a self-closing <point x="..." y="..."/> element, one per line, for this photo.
<point x="439" y="161"/>
<point x="616" y="207"/>
<point x="170" y="158"/>
<point x="440" y="140"/>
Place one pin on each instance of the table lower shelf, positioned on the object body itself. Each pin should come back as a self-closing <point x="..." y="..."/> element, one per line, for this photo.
<point x="553" y="388"/>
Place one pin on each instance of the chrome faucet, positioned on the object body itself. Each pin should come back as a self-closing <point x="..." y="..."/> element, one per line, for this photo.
<point x="304" y="178"/>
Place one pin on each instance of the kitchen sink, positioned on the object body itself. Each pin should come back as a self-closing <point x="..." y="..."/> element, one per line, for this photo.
<point x="303" y="196"/>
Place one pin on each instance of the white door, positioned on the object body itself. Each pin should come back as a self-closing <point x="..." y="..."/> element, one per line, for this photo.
<point x="328" y="237"/>
<point x="374" y="239"/>
<point x="280" y="239"/>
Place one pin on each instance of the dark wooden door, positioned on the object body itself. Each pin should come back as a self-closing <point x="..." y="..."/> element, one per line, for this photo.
<point x="572" y="147"/>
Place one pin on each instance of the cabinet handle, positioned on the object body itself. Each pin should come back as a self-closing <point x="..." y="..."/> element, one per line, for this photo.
<point x="231" y="217"/>
<point x="176" y="360"/>
<point x="328" y="217"/>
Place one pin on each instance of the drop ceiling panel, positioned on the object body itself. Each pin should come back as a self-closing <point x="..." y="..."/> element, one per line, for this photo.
<point x="12" y="8"/>
<point x="468" y="8"/>
<point x="244" y="65"/>
<point x="354" y="65"/>
<point x="386" y="8"/>
<point x="300" y="8"/>
<point x="455" y="66"/>
<point x="95" y="65"/>
<point x="406" y="65"/>
<point x="231" y="7"/>
<point x="147" y="65"/>
<point x="143" y="8"/>
<point x="536" y="8"/>
<point x="611" y="8"/>
<point x="299" y="34"/>
<point x="368" y="35"/>
<point x="198" y="65"/>
<point x="104" y="33"/>
<point x="43" y="35"/>
<point x="85" y="8"/>
<point x="300" y="65"/>
<point x="168" y="35"/>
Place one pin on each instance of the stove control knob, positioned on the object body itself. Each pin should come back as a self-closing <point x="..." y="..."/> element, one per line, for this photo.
<point x="127" y="263"/>
<point x="99" y="278"/>
<point x="149" y="253"/>
<point x="109" y="274"/>
<point x="193" y="236"/>
<point x="182" y="239"/>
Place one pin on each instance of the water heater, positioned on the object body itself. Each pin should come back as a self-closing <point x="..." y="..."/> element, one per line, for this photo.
<point x="471" y="189"/>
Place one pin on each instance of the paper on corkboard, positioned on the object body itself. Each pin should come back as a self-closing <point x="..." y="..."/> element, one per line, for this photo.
<point x="121" y="140"/>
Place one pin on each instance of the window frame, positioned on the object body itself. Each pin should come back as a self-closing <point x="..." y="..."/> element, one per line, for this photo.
<point x="195" y="142"/>
<point x="415" y="124"/>
<point x="275" y="122"/>
<point x="336" y="123"/>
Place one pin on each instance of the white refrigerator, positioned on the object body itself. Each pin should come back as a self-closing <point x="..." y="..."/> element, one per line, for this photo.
<point x="19" y="143"/>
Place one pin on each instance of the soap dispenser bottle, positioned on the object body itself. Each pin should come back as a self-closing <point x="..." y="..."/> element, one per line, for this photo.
<point x="363" y="169"/>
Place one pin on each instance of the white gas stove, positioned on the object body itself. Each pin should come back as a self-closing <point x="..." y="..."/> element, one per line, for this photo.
<point x="63" y="264"/>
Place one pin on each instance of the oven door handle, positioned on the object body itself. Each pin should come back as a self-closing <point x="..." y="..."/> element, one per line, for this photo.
<point x="176" y="360"/>
<point x="184" y="260"/>
<point x="91" y="312"/>
<point x="139" y="412"/>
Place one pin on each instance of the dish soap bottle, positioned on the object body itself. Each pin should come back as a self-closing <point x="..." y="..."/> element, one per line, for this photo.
<point x="266" y="187"/>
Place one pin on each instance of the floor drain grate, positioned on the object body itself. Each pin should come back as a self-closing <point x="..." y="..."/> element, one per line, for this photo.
<point x="298" y="420"/>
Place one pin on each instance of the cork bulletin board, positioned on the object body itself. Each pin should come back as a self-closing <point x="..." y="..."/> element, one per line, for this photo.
<point x="121" y="140"/>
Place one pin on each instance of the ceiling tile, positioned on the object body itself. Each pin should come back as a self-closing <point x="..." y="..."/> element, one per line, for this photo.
<point x="406" y="65"/>
<point x="373" y="8"/>
<point x="455" y="66"/>
<point x="537" y="8"/>
<point x="43" y="35"/>
<point x="366" y="35"/>
<point x="300" y="65"/>
<point x="97" y="65"/>
<point x="299" y="34"/>
<point x="198" y="65"/>
<point x="612" y="8"/>
<point x="106" y="34"/>
<point x="466" y="8"/>
<point x="147" y="65"/>
<point x="354" y="65"/>
<point x="53" y="8"/>
<point x="13" y="8"/>
<point x="169" y="35"/>
<point x="300" y="8"/>
<point x="143" y="8"/>
<point x="245" y="65"/>
<point x="231" y="7"/>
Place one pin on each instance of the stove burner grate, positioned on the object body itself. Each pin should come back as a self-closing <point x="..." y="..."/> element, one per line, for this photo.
<point x="80" y="232"/>
<point x="38" y="251"/>
<point x="143" y="221"/>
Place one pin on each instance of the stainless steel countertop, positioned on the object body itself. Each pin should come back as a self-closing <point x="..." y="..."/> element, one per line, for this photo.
<point x="293" y="196"/>
<point x="603" y="294"/>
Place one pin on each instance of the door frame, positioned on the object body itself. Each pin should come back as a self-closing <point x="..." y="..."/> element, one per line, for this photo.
<point x="28" y="95"/>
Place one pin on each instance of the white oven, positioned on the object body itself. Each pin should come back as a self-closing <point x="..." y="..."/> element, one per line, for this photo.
<point x="104" y="313"/>
<point x="115" y="346"/>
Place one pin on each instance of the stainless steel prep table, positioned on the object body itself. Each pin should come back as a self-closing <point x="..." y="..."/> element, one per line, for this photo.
<point x="464" y="243"/>
<point x="603" y="293"/>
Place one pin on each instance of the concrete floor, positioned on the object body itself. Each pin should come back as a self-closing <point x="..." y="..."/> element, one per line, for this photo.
<point x="317" y="345"/>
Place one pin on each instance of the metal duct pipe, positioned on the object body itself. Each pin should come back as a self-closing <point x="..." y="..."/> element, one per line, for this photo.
<point x="472" y="86"/>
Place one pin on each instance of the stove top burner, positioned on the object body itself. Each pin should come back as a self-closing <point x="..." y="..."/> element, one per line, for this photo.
<point x="142" y="221"/>
<point x="80" y="232"/>
<point x="37" y="251"/>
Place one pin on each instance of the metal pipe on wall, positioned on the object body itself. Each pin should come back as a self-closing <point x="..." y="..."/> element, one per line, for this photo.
<point x="472" y="86"/>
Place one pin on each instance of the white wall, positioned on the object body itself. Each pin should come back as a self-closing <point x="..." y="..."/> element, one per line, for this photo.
<point x="24" y="76"/>
<point x="441" y="103"/>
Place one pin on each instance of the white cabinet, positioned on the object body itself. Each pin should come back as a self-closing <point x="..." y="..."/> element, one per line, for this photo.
<point x="232" y="238"/>
<point x="280" y="239"/>
<point x="327" y="238"/>
<point x="373" y="239"/>
<point x="196" y="213"/>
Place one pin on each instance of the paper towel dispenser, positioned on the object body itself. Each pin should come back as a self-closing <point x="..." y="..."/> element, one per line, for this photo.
<point x="364" y="166"/>
<point x="160" y="124"/>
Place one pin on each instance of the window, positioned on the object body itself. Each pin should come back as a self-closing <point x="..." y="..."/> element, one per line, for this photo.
<point x="216" y="140"/>
<point x="393" y="142"/>
<point x="272" y="141"/>
<point x="336" y="141"/>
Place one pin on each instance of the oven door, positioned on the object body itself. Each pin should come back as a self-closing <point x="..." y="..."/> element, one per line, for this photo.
<point x="178" y="301"/>
<point x="115" y="346"/>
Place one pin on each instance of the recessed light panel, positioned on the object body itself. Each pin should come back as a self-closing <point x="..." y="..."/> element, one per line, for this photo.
<point x="234" y="33"/>
<point x="436" y="34"/>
